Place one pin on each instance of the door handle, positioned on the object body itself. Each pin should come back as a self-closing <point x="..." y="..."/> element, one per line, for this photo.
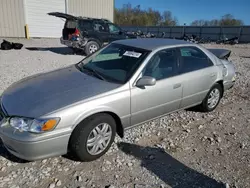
<point x="177" y="85"/>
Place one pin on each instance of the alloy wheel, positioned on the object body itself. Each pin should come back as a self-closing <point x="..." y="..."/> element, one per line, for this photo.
<point x="213" y="98"/>
<point x="99" y="139"/>
<point x="93" y="48"/>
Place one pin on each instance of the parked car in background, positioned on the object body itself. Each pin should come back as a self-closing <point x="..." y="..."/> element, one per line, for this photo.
<point x="89" y="34"/>
<point x="80" y="108"/>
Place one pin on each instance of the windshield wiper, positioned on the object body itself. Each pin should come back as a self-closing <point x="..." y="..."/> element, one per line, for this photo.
<point x="94" y="72"/>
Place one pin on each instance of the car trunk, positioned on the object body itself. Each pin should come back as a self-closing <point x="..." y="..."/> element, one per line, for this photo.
<point x="70" y="27"/>
<point x="221" y="53"/>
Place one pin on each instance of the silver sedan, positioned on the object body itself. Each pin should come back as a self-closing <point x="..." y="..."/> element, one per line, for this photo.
<point x="79" y="109"/>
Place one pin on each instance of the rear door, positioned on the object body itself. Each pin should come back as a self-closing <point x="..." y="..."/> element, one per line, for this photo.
<point x="85" y="26"/>
<point x="100" y="31"/>
<point x="198" y="73"/>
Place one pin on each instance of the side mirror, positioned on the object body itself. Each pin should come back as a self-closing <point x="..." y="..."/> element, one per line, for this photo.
<point x="146" y="81"/>
<point x="120" y="32"/>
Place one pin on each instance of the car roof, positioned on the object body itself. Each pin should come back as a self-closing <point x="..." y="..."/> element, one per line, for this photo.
<point x="93" y="19"/>
<point x="151" y="43"/>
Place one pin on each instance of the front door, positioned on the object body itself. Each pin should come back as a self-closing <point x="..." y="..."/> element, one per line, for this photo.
<point x="163" y="97"/>
<point x="115" y="33"/>
<point x="198" y="73"/>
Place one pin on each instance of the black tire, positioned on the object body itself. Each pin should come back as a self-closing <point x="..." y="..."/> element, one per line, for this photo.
<point x="89" y="45"/>
<point x="79" y="137"/>
<point x="204" y="105"/>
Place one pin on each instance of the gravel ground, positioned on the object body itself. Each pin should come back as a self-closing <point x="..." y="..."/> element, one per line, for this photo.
<point x="183" y="150"/>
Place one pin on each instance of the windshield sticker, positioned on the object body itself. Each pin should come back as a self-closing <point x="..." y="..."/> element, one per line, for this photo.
<point x="132" y="54"/>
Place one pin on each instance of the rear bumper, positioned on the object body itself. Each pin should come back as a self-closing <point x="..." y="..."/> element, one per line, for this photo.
<point x="73" y="44"/>
<point x="228" y="85"/>
<point x="66" y="42"/>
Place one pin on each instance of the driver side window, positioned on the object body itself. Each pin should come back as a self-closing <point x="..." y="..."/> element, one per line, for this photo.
<point x="162" y="65"/>
<point x="113" y="28"/>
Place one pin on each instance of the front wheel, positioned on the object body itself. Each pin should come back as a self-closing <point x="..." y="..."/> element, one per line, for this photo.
<point x="93" y="137"/>
<point x="212" y="99"/>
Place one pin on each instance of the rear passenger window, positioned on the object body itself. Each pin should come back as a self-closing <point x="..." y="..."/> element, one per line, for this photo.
<point x="100" y="27"/>
<point x="85" y="25"/>
<point x="193" y="59"/>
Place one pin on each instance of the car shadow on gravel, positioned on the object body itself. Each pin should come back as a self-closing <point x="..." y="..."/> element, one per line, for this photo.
<point x="168" y="169"/>
<point x="58" y="50"/>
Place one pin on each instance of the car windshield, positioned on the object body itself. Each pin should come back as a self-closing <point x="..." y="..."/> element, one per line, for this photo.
<point x="114" y="63"/>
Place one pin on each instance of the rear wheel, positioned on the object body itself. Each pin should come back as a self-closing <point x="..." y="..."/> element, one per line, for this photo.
<point x="212" y="99"/>
<point x="93" y="137"/>
<point x="91" y="47"/>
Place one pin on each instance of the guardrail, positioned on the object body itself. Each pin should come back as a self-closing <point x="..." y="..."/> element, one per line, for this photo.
<point x="213" y="32"/>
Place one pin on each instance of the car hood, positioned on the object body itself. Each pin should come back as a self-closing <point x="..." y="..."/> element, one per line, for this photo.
<point x="40" y="94"/>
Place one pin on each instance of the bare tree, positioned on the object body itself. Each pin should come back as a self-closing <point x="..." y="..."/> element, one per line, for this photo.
<point x="198" y="23"/>
<point x="229" y="20"/>
<point x="226" y="20"/>
<point x="168" y="19"/>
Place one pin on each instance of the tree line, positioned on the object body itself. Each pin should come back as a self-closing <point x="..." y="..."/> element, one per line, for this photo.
<point x="226" y="20"/>
<point x="135" y="16"/>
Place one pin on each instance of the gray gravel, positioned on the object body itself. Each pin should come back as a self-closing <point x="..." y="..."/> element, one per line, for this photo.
<point x="184" y="149"/>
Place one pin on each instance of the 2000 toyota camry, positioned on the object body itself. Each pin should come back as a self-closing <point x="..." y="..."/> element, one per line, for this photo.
<point x="80" y="108"/>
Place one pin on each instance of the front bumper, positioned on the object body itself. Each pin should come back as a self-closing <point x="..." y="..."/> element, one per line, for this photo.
<point x="23" y="147"/>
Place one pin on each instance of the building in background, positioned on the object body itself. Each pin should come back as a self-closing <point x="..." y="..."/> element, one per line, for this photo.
<point x="15" y="14"/>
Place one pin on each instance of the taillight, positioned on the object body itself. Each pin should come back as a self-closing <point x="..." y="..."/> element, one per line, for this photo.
<point x="224" y="71"/>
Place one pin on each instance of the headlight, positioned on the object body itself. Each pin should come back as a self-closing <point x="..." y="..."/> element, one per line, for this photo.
<point x="33" y="125"/>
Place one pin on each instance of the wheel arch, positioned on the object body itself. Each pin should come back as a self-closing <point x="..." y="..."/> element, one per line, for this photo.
<point x="95" y="40"/>
<point x="222" y="86"/>
<point x="115" y="116"/>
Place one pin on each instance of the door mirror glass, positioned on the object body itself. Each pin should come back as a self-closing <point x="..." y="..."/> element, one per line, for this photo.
<point x="146" y="81"/>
